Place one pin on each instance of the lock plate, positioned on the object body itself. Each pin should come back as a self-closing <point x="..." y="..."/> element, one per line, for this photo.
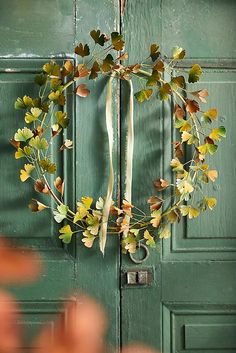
<point x="137" y="277"/>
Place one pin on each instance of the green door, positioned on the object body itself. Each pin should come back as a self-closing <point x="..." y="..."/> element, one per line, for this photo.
<point x="189" y="306"/>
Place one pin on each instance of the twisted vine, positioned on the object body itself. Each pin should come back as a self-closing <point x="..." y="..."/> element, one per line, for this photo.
<point x="45" y="121"/>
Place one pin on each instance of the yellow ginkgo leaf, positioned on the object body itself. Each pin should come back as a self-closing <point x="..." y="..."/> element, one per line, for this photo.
<point x="186" y="136"/>
<point x="25" y="173"/>
<point x="211" y="202"/>
<point x="186" y="127"/>
<point x="87" y="202"/>
<point x="165" y="233"/>
<point x="211" y="114"/>
<point x="212" y="174"/>
<point x="155" y="221"/>
<point x="192" y="212"/>
<point x="149" y="239"/>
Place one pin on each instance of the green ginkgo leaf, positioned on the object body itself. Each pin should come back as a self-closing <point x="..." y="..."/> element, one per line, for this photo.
<point x="23" y="103"/>
<point x="149" y="239"/>
<point x="26" y="151"/>
<point x="165" y="91"/>
<point x="48" y="166"/>
<point x="117" y="41"/>
<point x="40" y="79"/>
<point x="107" y="63"/>
<point x="38" y="143"/>
<point x="143" y="95"/>
<point x="62" y="119"/>
<point x="194" y="73"/>
<point x="52" y="69"/>
<point x="33" y="115"/>
<point x="66" y="234"/>
<point x="23" y="134"/>
<point x="61" y="213"/>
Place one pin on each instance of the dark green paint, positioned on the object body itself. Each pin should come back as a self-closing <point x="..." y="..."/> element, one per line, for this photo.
<point x="190" y="306"/>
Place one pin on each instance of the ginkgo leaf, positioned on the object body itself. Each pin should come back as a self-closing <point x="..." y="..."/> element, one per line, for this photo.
<point x="48" y="166"/>
<point x="212" y="174"/>
<point x="173" y="216"/>
<point x="88" y="239"/>
<point x="179" y="151"/>
<point x="68" y="144"/>
<point x="155" y="203"/>
<point x="38" y="143"/>
<point x="23" y="103"/>
<point x="186" y="136"/>
<point x="52" y="69"/>
<point x="94" y="70"/>
<point x="210" y="115"/>
<point x="61" y="213"/>
<point x="117" y="41"/>
<point x="82" y="90"/>
<point x="62" y="119"/>
<point x="36" y="206"/>
<point x="25" y="173"/>
<point x="87" y="202"/>
<point x="178" y="53"/>
<point x="40" y="186"/>
<point x="154" y="53"/>
<point x="165" y="91"/>
<point x="143" y="95"/>
<point x="66" y="234"/>
<point x="100" y="204"/>
<point x="98" y="38"/>
<point x="178" y="81"/>
<point x="68" y="65"/>
<point x="185" y="126"/>
<point x="59" y="185"/>
<point x="152" y="80"/>
<point x="217" y="133"/>
<point x="179" y="112"/>
<point x="176" y="165"/>
<point x="194" y="73"/>
<point x="184" y="186"/>
<point x="191" y="211"/>
<point x="23" y="134"/>
<point x="92" y="222"/>
<point x="207" y="147"/>
<point x="149" y="239"/>
<point x="192" y="106"/>
<point x="156" y="218"/>
<point x="107" y="63"/>
<point x="26" y="151"/>
<point x="81" y="213"/>
<point x="33" y="116"/>
<point x="161" y="184"/>
<point x="82" y="50"/>
<point x="164" y="233"/>
<point x="40" y="79"/>
<point x="211" y="202"/>
<point x="159" y="66"/>
<point x="134" y="231"/>
<point x="201" y="94"/>
<point x="58" y="97"/>
<point x="129" y="244"/>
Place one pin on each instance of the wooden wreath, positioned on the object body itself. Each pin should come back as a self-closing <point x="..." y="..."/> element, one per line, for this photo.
<point x="196" y="129"/>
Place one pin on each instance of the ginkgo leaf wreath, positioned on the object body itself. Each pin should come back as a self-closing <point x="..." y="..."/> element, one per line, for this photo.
<point x="197" y="130"/>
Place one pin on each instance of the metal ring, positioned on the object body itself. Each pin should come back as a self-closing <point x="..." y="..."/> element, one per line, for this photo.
<point x="147" y="253"/>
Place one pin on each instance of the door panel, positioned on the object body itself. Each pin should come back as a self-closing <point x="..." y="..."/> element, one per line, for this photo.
<point x="35" y="31"/>
<point x="190" y="306"/>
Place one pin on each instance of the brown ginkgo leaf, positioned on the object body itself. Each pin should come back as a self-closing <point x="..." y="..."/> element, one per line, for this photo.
<point x="192" y="106"/>
<point x="59" y="185"/>
<point x="82" y="90"/>
<point x="201" y="95"/>
<point x="179" y="112"/>
<point x="160" y="184"/>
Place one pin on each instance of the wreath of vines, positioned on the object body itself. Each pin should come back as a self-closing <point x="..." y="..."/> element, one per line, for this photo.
<point x="196" y="130"/>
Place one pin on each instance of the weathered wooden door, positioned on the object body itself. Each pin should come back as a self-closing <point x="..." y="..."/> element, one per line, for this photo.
<point x="190" y="305"/>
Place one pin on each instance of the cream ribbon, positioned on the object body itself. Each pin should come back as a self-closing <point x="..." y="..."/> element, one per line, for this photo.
<point x="129" y="155"/>
<point x="108" y="200"/>
<point x="129" y="163"/>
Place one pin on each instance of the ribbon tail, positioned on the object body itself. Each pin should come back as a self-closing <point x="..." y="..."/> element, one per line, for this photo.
<point x="108" y="201"/>
<point x="129" y="155"/>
